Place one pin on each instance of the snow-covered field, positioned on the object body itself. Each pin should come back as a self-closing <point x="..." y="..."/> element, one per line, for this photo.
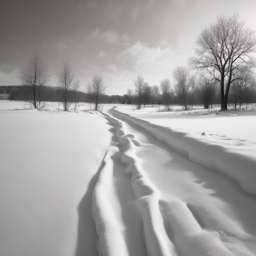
<point x="87" y="183"/>
<point x="49" y="165"/>
<point x="232" y="127"/>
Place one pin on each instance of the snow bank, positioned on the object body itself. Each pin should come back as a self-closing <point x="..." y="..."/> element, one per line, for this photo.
<point x="111" y="238"/>
<point x="233" y="162"/>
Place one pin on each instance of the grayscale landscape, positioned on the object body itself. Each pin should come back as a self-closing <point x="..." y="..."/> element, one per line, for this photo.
<point x="128" y="128"/>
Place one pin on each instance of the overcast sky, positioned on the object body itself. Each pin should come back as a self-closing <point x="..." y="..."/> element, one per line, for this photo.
<point x="119" y="38"/>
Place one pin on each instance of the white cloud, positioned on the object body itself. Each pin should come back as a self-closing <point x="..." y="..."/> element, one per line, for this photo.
<point x="6" y="68"/>
<point x="101" y="55"/>
<point x="141" y="55"/>
<point x="111" y="36"/>
<point x="112" y="68"/>
<point x="9" y="78"/>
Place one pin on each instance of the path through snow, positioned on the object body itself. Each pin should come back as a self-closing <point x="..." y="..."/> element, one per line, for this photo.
<point x="181" y="208"/>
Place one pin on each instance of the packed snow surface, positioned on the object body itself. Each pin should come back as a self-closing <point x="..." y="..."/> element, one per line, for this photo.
<point x="123" y="183"/>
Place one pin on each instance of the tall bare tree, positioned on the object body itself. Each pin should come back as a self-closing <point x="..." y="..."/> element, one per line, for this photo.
<point x="139" y="85"/>
<point x="34" y="73"/>
<point x="192" y="85"/>
<point x="98" y="88"/>
<point x="89" y="93"/>
<point x="223" y="49"/>
<point x="206" y="91"/>
<point x="67" y="82"/>
<point x="181" y="75"/>
<point x="242" y="88"/>
<point x="75" y="88"/>
<point x="146" y="94"/>
<point x="155" y="94"/>
<point x="130" y="96"/>
<point x="166" y="93"/>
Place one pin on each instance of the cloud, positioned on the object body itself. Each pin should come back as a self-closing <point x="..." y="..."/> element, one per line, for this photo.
<point x="112" y="68"/>
<point x="95" y="33"/>
<point x="9" y="78"/>
<point x="6" y="69"/>
<point x="180" y="2"/>
<point x="141" y="55"/>
<point x="135" y="13"/>
<point x="101" y="55"/>
<point x="61" y="46"/>
<point x="111" y="36"/>
<point x="141" y="7"/>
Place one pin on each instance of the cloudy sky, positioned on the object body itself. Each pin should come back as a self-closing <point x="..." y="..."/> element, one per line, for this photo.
<point x="119" y="38"/>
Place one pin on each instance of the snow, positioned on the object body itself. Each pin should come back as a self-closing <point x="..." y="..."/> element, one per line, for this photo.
<point x="49" y="164"/>
<point x="233" y="127"/>
<point x="204" y="212"/>
<point x="235" y="157"/>
<point x="125" y="182"/>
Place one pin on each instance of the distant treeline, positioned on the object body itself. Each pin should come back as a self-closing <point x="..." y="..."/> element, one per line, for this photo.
<point x="44" y="93"/>
<point x="54" y="94"/>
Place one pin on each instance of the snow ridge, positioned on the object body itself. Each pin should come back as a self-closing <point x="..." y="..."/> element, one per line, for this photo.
<point x="170" y="228"/>
<point x="111" y="238"/>
<point x="156" y="239"/>
<point x="229" y="161"/>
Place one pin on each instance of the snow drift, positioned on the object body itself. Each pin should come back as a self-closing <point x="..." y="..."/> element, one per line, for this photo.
<point x="169" y="227"/>
<point x="209" y="154"/>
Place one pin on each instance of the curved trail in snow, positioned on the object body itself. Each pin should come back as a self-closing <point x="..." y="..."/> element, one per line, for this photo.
<point x="118" y="222"/>
<point x="151" y="200"/>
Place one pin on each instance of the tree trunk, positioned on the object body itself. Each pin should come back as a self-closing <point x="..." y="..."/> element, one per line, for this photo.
<point x="65" y="99"/>
<point x="34" y="96"/>
<point x="96" y="102"/>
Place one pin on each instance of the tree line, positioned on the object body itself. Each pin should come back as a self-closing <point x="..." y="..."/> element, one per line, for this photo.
<point x="34" y="75"/>
<point x="221" y="72"/>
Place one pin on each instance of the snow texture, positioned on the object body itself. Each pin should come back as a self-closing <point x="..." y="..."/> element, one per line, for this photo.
<point x="119" y="185"/>
<point x="215" y="156"/>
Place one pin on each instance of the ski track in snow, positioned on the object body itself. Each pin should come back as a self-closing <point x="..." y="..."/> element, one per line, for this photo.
<point x="154" y="211"/>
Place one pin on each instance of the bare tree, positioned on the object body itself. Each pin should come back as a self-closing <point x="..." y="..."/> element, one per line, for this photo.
<point x="130" y="96"/>
<point x="155" y="94"/>
<point x="98" y="89"/>
<point x="181" y="75"/>
<point x="89" y="93"/>
<point x="242" y="88"/>
<point x="166" y="93"/>
<point x="206" y="91"/>
<point x="75" y="88"/>
<point x="146" y="94"/>
<point x="34" y="73"/>
<point x="67" y="82"/>
<point x="139" y="85"/>
<point x="223" y="49"/>
<point x="192" y="84"/>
